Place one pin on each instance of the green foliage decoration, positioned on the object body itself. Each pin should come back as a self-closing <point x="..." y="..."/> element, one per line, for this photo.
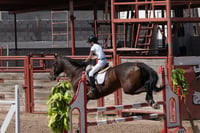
<point x="178" y="79"/>
<point x="59" y="106"/>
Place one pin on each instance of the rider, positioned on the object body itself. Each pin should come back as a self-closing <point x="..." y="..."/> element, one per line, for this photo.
<point x="96" y="49"/>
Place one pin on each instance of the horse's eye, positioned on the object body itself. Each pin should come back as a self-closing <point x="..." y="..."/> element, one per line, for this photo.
<point x="55" y="63"/>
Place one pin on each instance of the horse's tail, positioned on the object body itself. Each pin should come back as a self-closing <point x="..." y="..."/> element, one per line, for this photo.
<point x="150" y="77"/>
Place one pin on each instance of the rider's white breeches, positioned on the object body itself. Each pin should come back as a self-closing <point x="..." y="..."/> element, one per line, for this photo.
<point x="100" y="64"/>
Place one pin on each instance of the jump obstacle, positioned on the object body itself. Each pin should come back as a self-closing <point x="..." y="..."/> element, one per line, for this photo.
<point x="14" y="108"/>
<point x="171" y="109"/>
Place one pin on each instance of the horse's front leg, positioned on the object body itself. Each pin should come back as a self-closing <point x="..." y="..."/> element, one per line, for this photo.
<point x="150" y="101"/>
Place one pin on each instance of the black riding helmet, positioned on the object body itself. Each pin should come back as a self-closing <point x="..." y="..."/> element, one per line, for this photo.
<point x="92" y="38"/>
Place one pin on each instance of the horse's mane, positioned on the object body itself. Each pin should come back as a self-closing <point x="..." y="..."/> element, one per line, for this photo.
<point x="73" y="62"/>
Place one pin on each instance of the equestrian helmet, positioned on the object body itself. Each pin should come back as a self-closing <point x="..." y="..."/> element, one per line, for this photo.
<point x="92" y="38"/>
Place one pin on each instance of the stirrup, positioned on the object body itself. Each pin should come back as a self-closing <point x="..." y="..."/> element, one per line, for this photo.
<point x="91" y="91"/>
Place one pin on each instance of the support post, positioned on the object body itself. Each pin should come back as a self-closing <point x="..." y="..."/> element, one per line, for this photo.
<point x="17" y="111"/>
<point x="72" y="18"/>
<point x="113" y="33"/>
<point x="15" y="27"/>
<point x="169" y="38"/>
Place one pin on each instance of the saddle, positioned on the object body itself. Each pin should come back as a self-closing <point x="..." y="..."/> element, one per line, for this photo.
<point x="99" y="76"/>
<point x="103" y="69"/>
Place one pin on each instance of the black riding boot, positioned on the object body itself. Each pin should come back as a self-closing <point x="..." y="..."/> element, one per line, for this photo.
<point x="92" y="85"/>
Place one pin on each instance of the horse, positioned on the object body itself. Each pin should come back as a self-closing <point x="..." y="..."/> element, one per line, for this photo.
<point x="133" y="77"/>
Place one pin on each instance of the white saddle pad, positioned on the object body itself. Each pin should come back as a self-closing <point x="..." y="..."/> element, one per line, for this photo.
<point x="100" y="77"/>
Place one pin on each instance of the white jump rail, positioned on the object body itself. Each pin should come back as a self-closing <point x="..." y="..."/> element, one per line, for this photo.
<point x="14" y="108"/>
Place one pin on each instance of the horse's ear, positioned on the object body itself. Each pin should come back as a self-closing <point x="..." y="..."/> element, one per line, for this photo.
<point x="55" y="55"/>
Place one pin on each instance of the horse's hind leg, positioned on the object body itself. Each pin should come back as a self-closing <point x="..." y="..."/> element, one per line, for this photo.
<point x="149" y="96"/>
<point x="151" y="102"/>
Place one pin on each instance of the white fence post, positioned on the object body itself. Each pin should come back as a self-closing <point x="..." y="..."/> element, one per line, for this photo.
<point x="17" y="112"/>
<point x="15" y="108"/>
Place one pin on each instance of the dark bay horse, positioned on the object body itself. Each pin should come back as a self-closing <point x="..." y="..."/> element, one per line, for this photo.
<point x="133" y="77"/>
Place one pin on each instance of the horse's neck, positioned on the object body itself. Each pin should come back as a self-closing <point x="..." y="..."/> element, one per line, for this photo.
<point x="75" y="78"/>
<point x="71" y="70"/>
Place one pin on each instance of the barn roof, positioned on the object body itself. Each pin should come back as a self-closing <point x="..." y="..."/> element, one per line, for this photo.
<point x="38" y="5"/>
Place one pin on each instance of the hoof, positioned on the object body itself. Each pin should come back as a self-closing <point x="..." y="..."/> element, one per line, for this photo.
<point x="155" y="105"/>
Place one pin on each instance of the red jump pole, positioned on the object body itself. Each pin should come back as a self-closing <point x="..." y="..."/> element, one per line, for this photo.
<point x="164" y="99"/>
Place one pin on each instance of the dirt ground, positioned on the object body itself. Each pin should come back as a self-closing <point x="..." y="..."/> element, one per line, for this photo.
<point x="37" y="123"/>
